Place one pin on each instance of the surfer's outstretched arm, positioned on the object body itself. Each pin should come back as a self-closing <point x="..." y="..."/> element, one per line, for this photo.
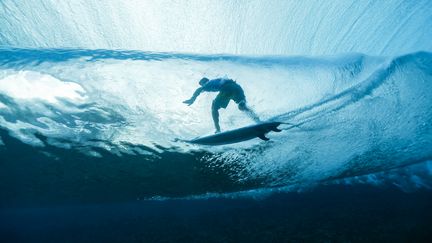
<point x="194" y="96"/>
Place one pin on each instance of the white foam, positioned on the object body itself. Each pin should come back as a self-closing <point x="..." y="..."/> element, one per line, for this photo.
<point x="29" y="85"/>
<point x="2" y="106"/>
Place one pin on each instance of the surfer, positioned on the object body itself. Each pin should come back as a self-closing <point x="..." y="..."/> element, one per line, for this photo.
<point x="228" y="90"/>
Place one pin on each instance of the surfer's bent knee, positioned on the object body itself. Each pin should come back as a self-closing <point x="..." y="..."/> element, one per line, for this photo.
<point x="242" y="105"/>
<point x="215" y="108"/>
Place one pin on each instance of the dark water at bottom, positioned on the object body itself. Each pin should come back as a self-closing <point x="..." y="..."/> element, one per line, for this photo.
<point x="325" y="214"/>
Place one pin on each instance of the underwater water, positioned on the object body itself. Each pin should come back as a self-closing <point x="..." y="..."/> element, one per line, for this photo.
<point x="91" y="115"/>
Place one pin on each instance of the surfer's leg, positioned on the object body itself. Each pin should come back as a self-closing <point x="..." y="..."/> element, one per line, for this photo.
<point x="215" y="115"/>
<point x="221" y="101"/>
<point x="243" y="107"/>
<point x="239" y="97"/>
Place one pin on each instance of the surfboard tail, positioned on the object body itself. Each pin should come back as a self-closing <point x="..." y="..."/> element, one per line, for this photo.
<point x="263" y="137"/>
<point x="275" y="129"/>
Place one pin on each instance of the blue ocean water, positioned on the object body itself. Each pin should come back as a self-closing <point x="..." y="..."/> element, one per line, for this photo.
<point x="91" y="108"/>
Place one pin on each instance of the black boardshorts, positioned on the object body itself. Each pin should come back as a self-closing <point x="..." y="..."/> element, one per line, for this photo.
<point x="229" y="91"/>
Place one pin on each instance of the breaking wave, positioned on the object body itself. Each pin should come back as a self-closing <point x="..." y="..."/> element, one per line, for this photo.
<point x="102" y="124"/>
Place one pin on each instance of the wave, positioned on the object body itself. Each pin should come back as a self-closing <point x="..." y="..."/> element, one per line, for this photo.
<point x="97" y="125"/>
<point x="309" y="27"/>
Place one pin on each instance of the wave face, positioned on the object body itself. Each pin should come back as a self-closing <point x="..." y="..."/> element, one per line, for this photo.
<point x="309" y="27"/>
<point x="100" y="125"/>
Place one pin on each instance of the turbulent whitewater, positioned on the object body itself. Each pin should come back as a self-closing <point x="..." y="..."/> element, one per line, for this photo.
<point x="103" y="123"/>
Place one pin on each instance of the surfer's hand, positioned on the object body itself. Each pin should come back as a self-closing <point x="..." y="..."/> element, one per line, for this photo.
<point x="188" y="102"/>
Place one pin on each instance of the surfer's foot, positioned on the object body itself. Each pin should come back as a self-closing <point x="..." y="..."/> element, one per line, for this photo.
<point x="254" y="117"/>
<point x="217" y="131"/>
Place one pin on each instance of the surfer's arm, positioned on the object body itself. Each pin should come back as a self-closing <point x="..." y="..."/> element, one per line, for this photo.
<point x="194" y="96"/>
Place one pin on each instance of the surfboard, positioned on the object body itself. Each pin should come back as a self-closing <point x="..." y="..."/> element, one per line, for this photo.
<point x="238" y="135"/>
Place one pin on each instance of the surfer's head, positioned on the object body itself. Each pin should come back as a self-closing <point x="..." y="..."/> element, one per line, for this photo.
<point x="203" y="81"/>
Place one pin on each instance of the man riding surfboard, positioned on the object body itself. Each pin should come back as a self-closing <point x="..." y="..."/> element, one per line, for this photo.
<point x="228" y="90"/>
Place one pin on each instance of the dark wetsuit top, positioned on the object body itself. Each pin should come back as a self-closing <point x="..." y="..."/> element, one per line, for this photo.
<point x="215" y="85"/>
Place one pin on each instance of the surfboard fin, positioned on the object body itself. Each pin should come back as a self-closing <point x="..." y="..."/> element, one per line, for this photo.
<point x="263" y="137"/>
<point x="275" y="129"/>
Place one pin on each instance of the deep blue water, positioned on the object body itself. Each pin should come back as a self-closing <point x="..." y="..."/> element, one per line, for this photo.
<point x="330" y="213"/>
